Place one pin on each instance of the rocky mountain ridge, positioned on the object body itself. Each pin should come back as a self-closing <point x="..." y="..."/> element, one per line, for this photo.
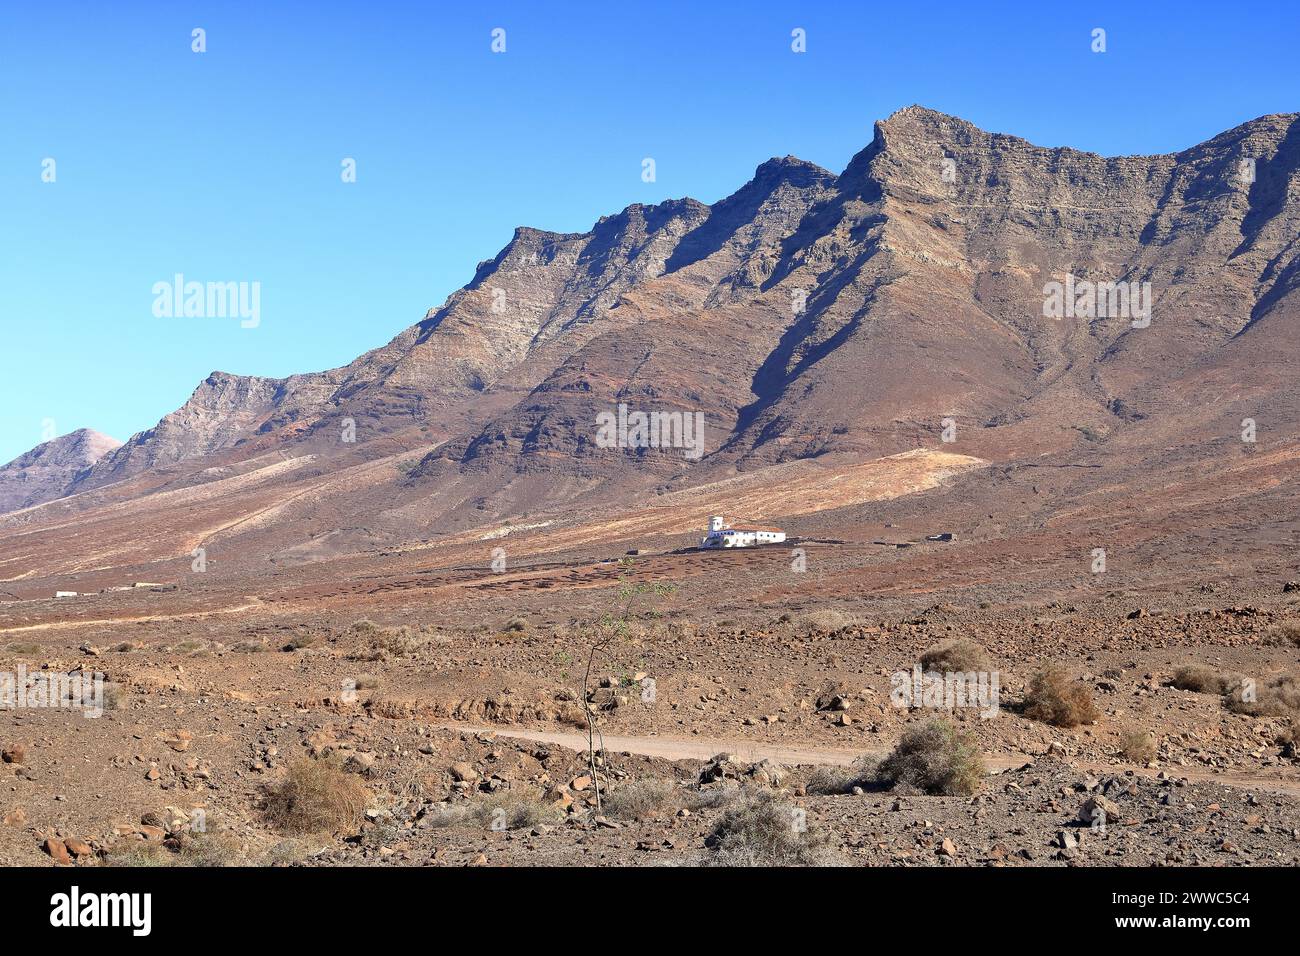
<point x="807" y="316"/>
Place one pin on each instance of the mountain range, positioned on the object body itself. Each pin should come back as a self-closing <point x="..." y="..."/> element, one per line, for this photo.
<point x="892" y="317"/>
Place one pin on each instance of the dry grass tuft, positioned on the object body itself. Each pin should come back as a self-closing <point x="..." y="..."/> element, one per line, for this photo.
<point x="1199" y="678"/>
<point x="190" y="849"/>
<point x="1055" y="699"/>
<point x="825" y="619"/>
<point x="383" y="643"/>
<point x="956" y="657"/>
<point x="316" y="795"/>
<point x="1138" y="746"/>
<point x="514" y="809"/>
<point x="638" y="799"/>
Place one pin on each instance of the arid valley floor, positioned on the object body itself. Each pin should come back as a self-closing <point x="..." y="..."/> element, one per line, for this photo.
<point x="451" y="691"/>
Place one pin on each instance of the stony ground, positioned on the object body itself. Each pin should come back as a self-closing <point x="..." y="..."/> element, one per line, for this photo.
<point x="426" y="712"/>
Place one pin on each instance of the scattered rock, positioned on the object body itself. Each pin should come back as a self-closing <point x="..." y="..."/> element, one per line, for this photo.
<point x="1096" y="805"/>
<point x="359" y="762"/>
<point x="463" y="772"/>
<point x="78" y="847"/>
<point x="767" y="773"/>
<point x="721" y="767"/>
<point x="58" y="851"/>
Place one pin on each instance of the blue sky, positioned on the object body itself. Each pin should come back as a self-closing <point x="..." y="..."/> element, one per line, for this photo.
<point x="225" y="165"/>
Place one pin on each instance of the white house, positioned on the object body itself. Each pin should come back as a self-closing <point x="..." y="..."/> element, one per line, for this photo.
<point x="722" y="535"/>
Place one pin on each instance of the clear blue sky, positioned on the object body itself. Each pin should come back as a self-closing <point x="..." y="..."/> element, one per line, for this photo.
<point x="226" y="165"/>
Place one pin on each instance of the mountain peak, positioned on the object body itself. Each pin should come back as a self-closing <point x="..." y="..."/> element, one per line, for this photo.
<point x="798" y="172"/>
<point x="916" y="111"/>
<point x="82" y="447"/>
<point x="50" y="469"/>
<point x="924" y="124"/>
<point x="92" y="442"/>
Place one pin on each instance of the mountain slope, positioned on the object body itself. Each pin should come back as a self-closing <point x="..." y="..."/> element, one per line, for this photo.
<point x="51" y="469"/>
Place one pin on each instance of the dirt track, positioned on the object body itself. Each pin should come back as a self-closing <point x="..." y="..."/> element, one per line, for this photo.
<point x="671" y="748"/>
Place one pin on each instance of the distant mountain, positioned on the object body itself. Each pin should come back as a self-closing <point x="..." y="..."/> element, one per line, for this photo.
<point x="52" y="469"/>
<point x="807" y="316"/>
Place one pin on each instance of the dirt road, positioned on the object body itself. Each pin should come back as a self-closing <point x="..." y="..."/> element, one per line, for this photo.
<point x="675" y="748"/>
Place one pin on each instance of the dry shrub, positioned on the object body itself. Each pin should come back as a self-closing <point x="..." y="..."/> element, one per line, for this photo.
<point x="514" y="809"/>
<point x="316" y="795"/>
<point x="386" y="642"/>
<point x="1055" y="699"/>
<point x="832" y="781"/>
<point x="518" y="807"/>
<point x="1288" y="739"/>
<point x="138" y="853"/>
<point x="214" y="848"/>
<point x="758" y="828"/>
<point x="1199" y="678"/>
<point x="956" y="657"/>
<point x="1283" y="635"/>
<point x="24" y="650"/>
<point x="189" y="849"/>
<point x="825" y="619"/>
<point x="114" y="696"/>
<point x="714" y="798"/>
<point x="1277" y="697"/>
<point x="516" y="625"/>
<point x="288" y="852"/>
<point x="640" y="798"/>
<point x="935" y="758"/>
<point x="1138" y="746"/>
